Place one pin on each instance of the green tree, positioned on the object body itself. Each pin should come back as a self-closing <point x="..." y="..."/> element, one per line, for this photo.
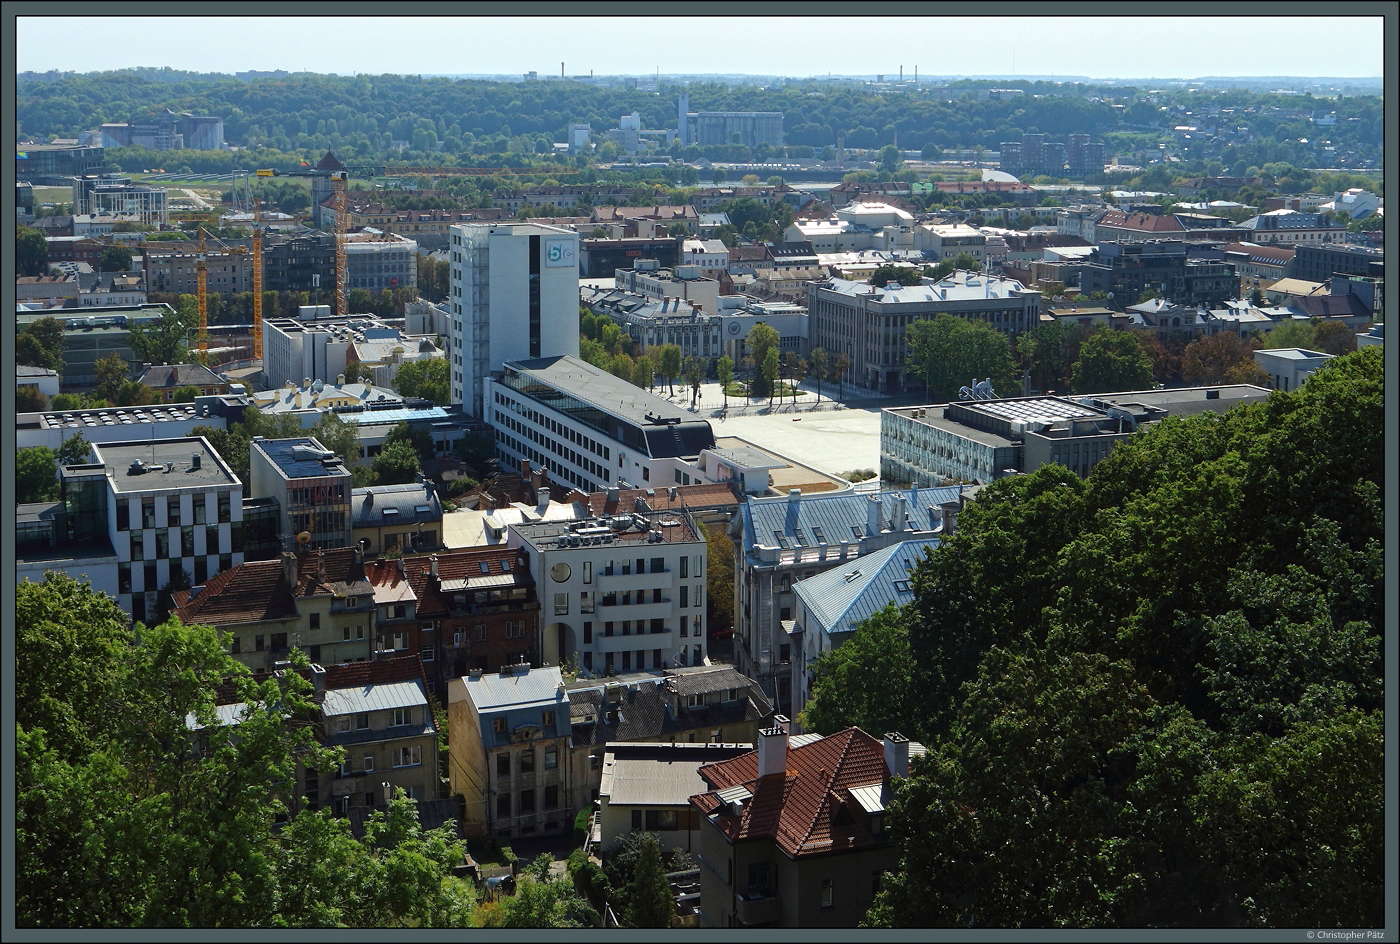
<point x="358" y="372"/>
<point x="761" y="339"/>
<point x="718" y="175"/>
<point x="31" y="251"/>
<point x="416" y="436"/>
<point x="768" y="372"/>
<point x="901" y="275"/>
<point x="40" y="344"/>
<point x="168" y="341"/>
<point x="948" y="352"/>
<point x="30" y="399"/>
<point x="694" y="371"/>
<point x="115" y="259"/>
<point x="1290" y="333"/>
<point x="851" y="685"/>
<point x="649" y="902"/>
<point x="397" y="464"/>
<point x="1335" y="338"/>
<point x="339" y="437"/>
<point x="427" y="379"/>
<point x="818" y="364"/>
<point x="890" y="159"/>
<point x="643" y="372"/>
<point x="74" y="450"/>
<point x="724" y="372"/>
<point x="1049" y="351"/>
<point x="36" y="475"/>
<point x="1121" y="732"/>
<point x="670" y="362"/>
<point x="1109" y="361"/>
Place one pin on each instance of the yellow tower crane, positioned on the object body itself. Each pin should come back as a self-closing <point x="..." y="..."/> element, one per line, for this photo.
<point x="257" y="279"/>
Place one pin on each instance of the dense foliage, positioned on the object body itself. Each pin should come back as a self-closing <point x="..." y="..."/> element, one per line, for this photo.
<point x="1154" y="698"/>
<point x="137" y="806"/>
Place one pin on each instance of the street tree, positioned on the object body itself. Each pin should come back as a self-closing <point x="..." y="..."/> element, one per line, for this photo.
<point x="761" y="338"/>
<point x="670" y="361"/>
<point x="769" y="372"/>
<point x="694" y="371"/>
<point x="819" y="364"/>
<point x="31" y="251"/>
<point x="36" y="475"/>
<point x="724" y="372"/>
<point x="1207" y="360"/>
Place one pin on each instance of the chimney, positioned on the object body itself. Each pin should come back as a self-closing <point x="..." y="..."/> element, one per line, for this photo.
<point x="897" y="754"/>
<point x="872" y="515"/>
<point x="794" y="496"/>
<point x="543" y="495"/>
<point x="772" y="747"/>
<point x="950" y="516"/>
<point x="321" y="566"/>
<point x="289" y="567"/>
<point x="897" y="517"/>
<point x="433" y="565"/>
<point x="318" y="682"/>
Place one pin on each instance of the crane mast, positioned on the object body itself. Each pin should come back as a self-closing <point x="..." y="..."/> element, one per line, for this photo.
<point x="257" y="279"/>
<point x="341" y="278"/>
<point x="201" y="293"/>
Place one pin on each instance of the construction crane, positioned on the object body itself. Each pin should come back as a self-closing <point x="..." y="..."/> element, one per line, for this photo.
<point x="257" y="278"/>
<point x="338" y="178"/>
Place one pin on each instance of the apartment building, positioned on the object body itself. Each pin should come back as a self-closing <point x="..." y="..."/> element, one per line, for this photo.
<point x="311" y="486"/>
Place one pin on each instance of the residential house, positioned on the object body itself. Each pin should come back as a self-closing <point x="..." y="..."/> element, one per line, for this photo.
<point x="793" y="835"/>
<point x="167" y="379"/>
<point x="508" y="746"/>
<point x="396" y="519"/>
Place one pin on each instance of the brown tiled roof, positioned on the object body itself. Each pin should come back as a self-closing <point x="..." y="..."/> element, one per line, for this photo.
<point x="257" y="591"/>
<point x="798" y="809"/>
<point x="686" y="212"/>
<point x="378" y="672"/>
<point x="432" y="602"/>
<point x="1142" y="222"/>
<point x="1280" y="255"/>
<point x="687" y="496"/>
<point x="249" y="593"/>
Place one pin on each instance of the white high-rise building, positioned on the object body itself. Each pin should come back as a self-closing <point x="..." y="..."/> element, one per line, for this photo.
<point x="514" y="296"/>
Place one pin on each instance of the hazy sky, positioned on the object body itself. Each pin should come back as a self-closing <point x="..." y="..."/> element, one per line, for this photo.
<point x="1098" y="47"/>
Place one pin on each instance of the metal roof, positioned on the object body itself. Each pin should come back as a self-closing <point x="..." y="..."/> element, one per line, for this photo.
<point x="829" y="518"/>
<point x="349" y="701"/>
<point x="496" y="692"/>
<point x="871" y="798"/>
<point x="839" y="602"/>
<point x="404" y="415"/>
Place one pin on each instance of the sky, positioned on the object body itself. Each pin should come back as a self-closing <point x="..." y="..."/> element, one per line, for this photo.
<point x="1096" y="47"/>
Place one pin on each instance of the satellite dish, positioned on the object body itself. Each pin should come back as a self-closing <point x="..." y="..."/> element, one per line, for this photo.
<point x="304" y="537"/>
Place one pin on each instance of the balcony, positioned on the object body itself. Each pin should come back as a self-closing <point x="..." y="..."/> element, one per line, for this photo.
<point x="754" y="906"/>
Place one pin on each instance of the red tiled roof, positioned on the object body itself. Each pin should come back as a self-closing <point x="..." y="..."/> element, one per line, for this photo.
<point x="1141" y="222"/>
<point x="687" y="496"/>
<point x="798" y="809"/>
<point x="378" y="672"/>
<point x="249" y="593"/>
<point x="432" y="603"/>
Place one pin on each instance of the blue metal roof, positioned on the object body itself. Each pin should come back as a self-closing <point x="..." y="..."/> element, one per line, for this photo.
<point x="841" y="598"/>
<point x="394" y="416"/>
<point x="287" y="455"/>
<point x="824" y="518"/>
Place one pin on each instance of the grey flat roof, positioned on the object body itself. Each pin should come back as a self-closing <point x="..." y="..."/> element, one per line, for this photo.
<point x="653" y="782"/>
<point x="118" y="457"/>
<point x="598" y="388"/>
<point x="1188" y="400"/>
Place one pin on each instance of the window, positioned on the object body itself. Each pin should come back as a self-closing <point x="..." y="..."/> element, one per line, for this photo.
<point x="551" y="758"/>
<point x="587" y="633"/>
<point x="656" y="595"/>
<point x="480" y="630"/>
<point x="123" y="515"/>
<point x="875" y="879"/>
<point x="138" y="546"/>
<point x="658" y="626"/>
<point x="551" y="797"/>
<point x="503" y="805"/>
<point x="685" y="625"/>
<point x="315" y="621"/>
<point x="503" y="765"/>
<point x="498" y="725"/>
<point x="172" y="511"/>
<point x="527" y="801"/>
<point x="685" y="596"/>
<point x="237" y="646"/>
<point x="426" y="653"/>
<point x="224" y="514"/>
<point x="656" y="658"/>
<point x="162" y="544"/>
<point x="587" y="571"/>
<point x="826" y="893"/>
<point x="408" y="756"/>
<point x="369" y="763"/>
<point x="685" y="566"/>
<point x="658" y="820"/>
<point x="637" y="820"/>
<point x="257" y="644"/>
<point x="585" y="602"/>
<point x="123" y="577"/>
<point x="403" y="716"/>
<point x="547" y="719"/>
<point x="278" y="641"/>
<point x="148" y="513"/>
<point x="527" y="761"/>
<point x="362" y="721"/>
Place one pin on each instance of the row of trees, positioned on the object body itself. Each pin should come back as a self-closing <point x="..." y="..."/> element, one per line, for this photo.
<point x="361" y="117"/>
<point x="1153" y="697"/>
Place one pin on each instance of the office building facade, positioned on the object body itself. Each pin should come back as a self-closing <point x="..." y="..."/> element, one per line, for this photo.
<point x="513" y="296"/>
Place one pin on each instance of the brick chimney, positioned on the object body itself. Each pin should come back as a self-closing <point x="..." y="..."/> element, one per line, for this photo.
<point x="321" y="566"/>
<point x="772" y="747"/>
<point x="289" y="567"/>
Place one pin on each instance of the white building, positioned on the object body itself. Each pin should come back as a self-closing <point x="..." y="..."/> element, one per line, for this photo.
<point x="168" y="505"/>
<point x="1288" y="367"/>
<point x="305" y="349"/>
<point x="620" y="593"/>
<point x="514" y="295"/>
<point x="591" y="430"/>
